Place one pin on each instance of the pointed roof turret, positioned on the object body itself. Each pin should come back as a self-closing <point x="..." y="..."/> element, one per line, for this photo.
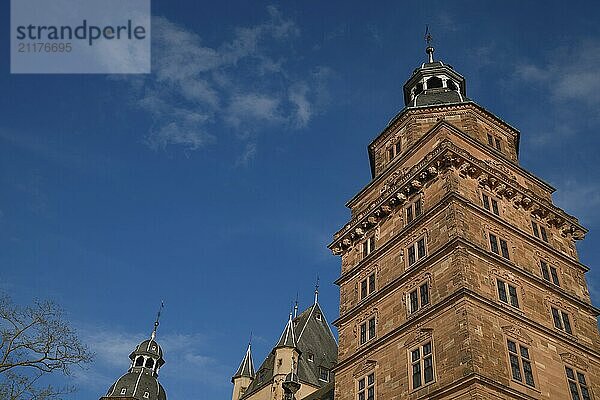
<point x="288" y="337"/>
<point x="246" y="368"/>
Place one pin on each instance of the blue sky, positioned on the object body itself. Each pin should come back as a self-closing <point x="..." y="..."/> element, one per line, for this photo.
<point x="216" y="182"/>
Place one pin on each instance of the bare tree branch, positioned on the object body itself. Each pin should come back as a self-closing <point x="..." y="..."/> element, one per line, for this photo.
<point x="34" y="341"/>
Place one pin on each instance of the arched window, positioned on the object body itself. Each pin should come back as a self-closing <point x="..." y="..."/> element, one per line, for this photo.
<point x="451" y="85"/>
<point x="149" y="363"/>
<point x="434" y="82"/>
<point x="139" y="362"/>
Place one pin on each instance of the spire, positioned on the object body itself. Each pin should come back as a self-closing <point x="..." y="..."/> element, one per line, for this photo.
<point x="156" y="323"/>
<point x="288" y="337"/>
<point x="317" y="290"/>
<point x="296" y="306"/>
<point x="428" y="38"/>
<point x="246" y="368"/>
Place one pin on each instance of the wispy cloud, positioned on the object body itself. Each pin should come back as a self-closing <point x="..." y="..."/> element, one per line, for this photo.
<point x="570" y="73"/>
<point x="187" y="361"/>
<point x="247" y="83"/>
<point x="580" y="198"/>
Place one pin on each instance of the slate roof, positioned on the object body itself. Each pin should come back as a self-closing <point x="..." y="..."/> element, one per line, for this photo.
<point x="246" y="367"/>
<point x="430" y="97"/>
<point x="136" y="384"/>
<point x="312" y="336"/>
<point x="325" y="393"/>
<point x="288" y="337"/>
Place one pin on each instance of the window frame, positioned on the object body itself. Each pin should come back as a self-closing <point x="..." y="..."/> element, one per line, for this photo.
<point x="539" y="231"/>
<point x="367" y="330"/>
<point x="559" y="316"/>
<point x="518" y="355"/>
<point x="420" y="362"/>
<point x="368" y="285"/>
<point x="413" y="210"/>
<point x="369" y="245"/>
<point x="490" y="203"/>
<point x="328" y="374"/>
<point x="498" y="245"/>
<point x="576" y="381"/>
<point x="418" y="298"/>
<point x="506" y="295"/>
<point x="394" y="150"/>
<point x="549" y="273"/>
<point x="415" y="252"/>
<point x="368" y="387"/>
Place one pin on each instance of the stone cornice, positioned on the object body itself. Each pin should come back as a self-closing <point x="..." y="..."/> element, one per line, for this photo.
<point x="449" y="156"/>
<point x="452" y="301"/>
<point x="385" y="174"/>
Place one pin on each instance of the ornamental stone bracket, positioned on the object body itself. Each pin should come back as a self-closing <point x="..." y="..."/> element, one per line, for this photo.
<point x="447" y="156"/>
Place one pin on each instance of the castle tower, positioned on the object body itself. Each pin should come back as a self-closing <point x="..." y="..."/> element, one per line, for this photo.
<point x="460" y="278"/>
<point x="299" y="365"/>
<point x="244" y="375"/>
<point x="140" y="382"/>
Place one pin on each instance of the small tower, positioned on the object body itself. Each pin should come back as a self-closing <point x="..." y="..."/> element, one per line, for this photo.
<point x="141" y="380"/>
<point x="244" y="375"/>
<point x="286" y="360"/>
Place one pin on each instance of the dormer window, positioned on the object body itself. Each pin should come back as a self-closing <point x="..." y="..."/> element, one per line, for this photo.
<point x="123" y="391"/>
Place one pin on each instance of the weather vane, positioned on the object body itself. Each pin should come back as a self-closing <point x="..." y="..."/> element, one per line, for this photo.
<point x="428" y="39"/>
<point x="157" y="322"/>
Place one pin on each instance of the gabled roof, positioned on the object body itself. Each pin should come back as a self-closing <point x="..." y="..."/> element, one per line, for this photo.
<point x="313" y="339"/>
<point x="246" y="367"/>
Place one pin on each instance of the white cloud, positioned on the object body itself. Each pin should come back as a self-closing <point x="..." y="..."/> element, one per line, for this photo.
<point x="182" y="351"/>
<point x="579" y="198"/>
<point x="246" y="83"/>
<point x="570" y="74"/>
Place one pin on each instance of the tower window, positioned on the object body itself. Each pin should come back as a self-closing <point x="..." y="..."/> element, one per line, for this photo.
<point x="434" y="82"/>
<point x="494" y="142"/>
<point x="451" y="85"/>
<point x="577" y="384"/>
<point x="418" y="298"/>
<point x="421" y="359"/>
<point x="318" y="316"/>
<point x="490" y="204"/>
<point x="323" y="374"/>
<point x="561" y="320"/>
<point x="413" y="210"/>
<point x="394" y="150"/>
<point x="539" y="231"/>
<point x="549" y="273"/>
<point x="149" y="363"/>
<point x="367" y="330"/>
<point x="416" y="251"/>
<point x="366" y="387"/>
<point x="139" y="362"/>
<point x="520" y="363"/>
<point x="367" y="286"/>
<point x="368" y="246"/>
<point x="508" y="293"/>
<point x="499" y="246"/>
